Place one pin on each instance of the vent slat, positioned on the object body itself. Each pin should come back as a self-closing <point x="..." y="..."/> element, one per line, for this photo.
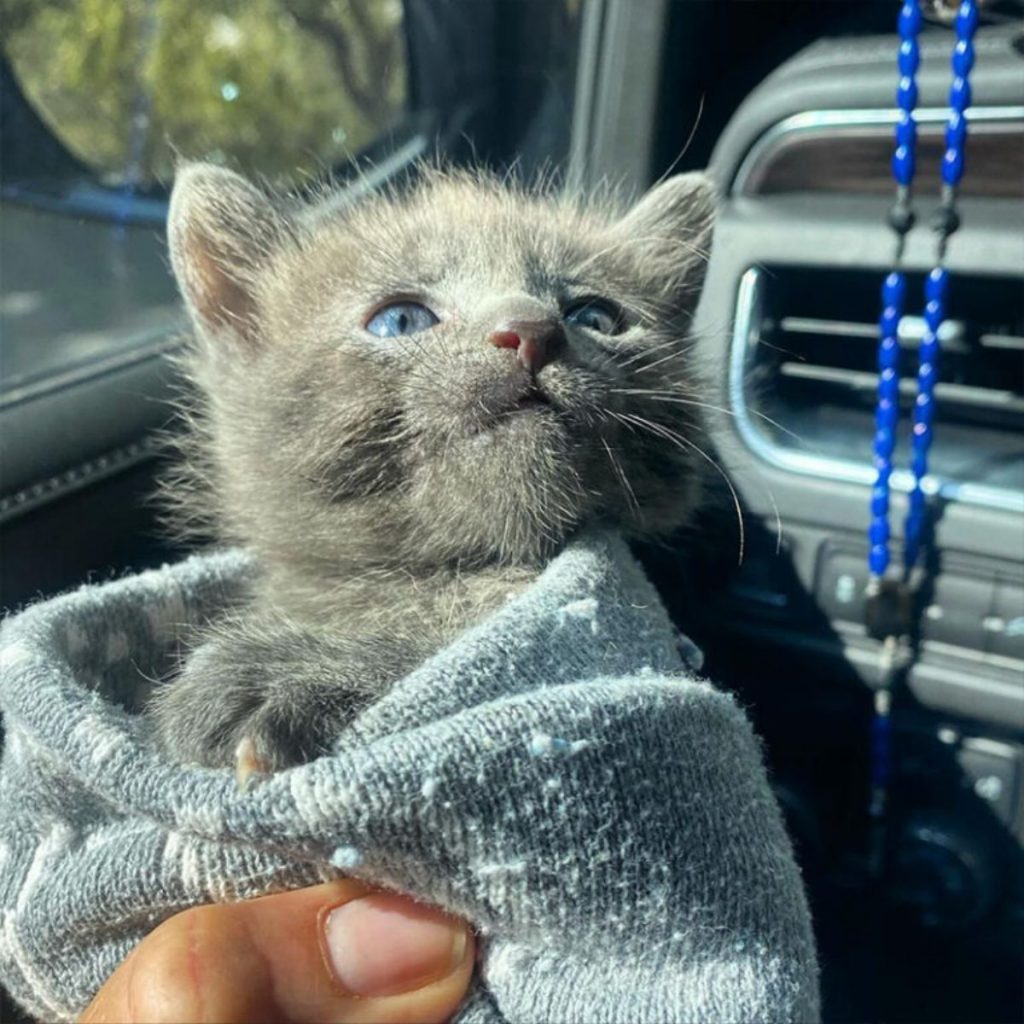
<point x="829" y="328"/>
<point x="952" y="333"/>
<point x="985" y="398"/>
<point x="1006" y="342"/>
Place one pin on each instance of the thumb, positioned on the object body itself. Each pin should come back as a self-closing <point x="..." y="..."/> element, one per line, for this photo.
<point x="335" y="952"/>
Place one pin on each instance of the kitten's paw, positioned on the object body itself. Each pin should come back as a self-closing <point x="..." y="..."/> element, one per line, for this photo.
<point x="270" y="741"/>
<point x="250" y="767"/>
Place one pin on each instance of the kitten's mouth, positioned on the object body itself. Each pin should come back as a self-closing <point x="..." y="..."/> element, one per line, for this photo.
<point x="510" y="402"/>
<point x="533" y="399"/>
<point x="532" y="402"/>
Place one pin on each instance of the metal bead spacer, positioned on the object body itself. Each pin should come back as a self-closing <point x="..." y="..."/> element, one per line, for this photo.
<point x="901" y="218"/>
<point x="945" y="221"/>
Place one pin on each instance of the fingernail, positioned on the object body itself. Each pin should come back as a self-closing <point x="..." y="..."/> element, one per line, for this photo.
<point x="384" y="944"/>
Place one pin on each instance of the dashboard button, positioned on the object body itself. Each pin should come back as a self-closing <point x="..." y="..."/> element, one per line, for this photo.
<point x="959" y="608"/>
<point x="1004" y="626"/>
<point x="993" y="771"/>
<point x="841" y="588"/>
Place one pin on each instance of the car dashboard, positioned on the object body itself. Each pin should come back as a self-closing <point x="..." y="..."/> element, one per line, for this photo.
<point x="789" y="322"/>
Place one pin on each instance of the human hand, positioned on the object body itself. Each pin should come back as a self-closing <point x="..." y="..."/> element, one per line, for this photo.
<point x="336" y="952"/>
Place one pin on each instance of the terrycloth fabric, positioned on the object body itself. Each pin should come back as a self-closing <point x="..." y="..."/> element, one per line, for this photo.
<point x="553" y="776"/>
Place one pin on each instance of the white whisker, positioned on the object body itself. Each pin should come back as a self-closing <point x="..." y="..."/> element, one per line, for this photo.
<point x="660" y="430"/>
<point x="623" y="479"/>
<point x="660" y="396"/>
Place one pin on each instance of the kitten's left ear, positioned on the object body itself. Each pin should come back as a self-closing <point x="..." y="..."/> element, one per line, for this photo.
<point x="671" y="229"/>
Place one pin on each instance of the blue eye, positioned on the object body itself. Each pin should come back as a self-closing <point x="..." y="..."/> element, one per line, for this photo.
<point x="596" y="315"/>
<point x="399" y="319"/>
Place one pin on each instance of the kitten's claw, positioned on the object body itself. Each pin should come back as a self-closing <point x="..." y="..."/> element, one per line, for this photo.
<point x="250" y="768"/>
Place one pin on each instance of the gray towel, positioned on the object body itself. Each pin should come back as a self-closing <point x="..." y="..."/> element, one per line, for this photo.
<point x="554" y="776"/>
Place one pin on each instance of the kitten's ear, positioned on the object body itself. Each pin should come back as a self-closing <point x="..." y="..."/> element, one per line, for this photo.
<point x="671" y="229"/>
<point x="222" y="231"/>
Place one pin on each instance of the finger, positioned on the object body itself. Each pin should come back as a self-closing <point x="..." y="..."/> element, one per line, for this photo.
<point x="335" y="952"/>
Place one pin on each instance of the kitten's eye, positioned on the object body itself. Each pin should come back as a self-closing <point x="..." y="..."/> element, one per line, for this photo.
<point x="596" y="315"/>
<point x="401" y="318"/>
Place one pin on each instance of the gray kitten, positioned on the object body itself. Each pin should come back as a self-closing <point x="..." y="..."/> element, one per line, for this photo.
<point x="406" y="406"/>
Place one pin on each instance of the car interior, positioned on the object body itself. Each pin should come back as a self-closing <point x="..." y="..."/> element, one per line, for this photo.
<point x="919" y="912"/>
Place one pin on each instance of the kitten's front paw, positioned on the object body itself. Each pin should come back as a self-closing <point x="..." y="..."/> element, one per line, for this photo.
<point x="250" y="766"/>
<point x="262" y="751"/>
<point x="257" y="704"/>
<point x="270" y="741"/>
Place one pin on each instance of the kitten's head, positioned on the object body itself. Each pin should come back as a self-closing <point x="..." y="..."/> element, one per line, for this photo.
<point x="462" y="372"/>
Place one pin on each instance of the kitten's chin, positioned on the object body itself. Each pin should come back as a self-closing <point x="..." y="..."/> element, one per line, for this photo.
<point x="509" y="493"/>
<point x="517" y="446"/>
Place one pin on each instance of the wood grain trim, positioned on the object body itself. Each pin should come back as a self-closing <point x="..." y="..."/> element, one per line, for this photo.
<point x="857" y="160"/>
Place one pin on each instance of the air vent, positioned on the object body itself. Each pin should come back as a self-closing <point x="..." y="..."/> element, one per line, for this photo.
<point x="803" y="378"/>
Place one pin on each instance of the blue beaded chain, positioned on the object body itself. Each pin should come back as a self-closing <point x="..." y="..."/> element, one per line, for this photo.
<point x="901" y="219"/>
<point x="889" y="603"/>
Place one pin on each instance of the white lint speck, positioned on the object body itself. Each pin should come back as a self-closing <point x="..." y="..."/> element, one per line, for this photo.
<point x="542" y="745"/>
<point x="429" y="787"/>
<point x="514" y="867"/>
<point x="585" y="609"/>
<point x="346" y="858"/>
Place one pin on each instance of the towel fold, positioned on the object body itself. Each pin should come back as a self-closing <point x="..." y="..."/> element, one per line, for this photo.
<point x="554" y="775"/>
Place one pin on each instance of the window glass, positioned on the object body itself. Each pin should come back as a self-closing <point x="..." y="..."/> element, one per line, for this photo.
<point x="285" y="88"/>
<point x="72" y="291"/>
<point x="112" y="92"/>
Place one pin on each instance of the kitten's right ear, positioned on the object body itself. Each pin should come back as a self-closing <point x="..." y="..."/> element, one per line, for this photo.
<point x="222" y="231"/>
<point x="670" y="229"/>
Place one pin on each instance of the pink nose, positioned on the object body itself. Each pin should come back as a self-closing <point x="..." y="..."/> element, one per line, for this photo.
<point x="535" y="341"/>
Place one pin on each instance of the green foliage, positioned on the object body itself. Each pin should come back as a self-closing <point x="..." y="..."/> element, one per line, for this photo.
<point x="280" y="88"/>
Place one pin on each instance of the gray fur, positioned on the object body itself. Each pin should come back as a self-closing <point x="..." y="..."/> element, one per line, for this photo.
<point x="390" y="489"/>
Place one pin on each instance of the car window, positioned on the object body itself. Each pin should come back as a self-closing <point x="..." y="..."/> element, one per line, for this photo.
<point x="282" y="88"/>
<point x="111" y="93"/>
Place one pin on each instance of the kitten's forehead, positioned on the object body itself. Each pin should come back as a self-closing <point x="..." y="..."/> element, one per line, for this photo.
<point x="449" y="232"/>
